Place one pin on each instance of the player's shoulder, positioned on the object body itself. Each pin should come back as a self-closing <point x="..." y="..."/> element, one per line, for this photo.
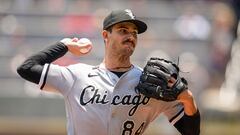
<point x="136" y="71"/>
<point x="137" y="68"/>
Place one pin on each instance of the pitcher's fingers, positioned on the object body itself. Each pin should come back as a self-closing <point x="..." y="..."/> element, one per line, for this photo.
<point x="85" y="49"/>
<point x="171" y="82"/>
<point x="75" y="39"/>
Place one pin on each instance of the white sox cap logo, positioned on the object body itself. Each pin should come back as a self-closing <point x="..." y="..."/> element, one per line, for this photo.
<point x="129" y="12"/>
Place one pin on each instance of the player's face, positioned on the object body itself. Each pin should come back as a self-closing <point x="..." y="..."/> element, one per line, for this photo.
<point x="123" y="39"/>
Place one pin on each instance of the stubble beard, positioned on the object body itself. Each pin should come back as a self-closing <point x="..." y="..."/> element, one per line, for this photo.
<point x="124" y="52"/>
<point x="127" y="52"/>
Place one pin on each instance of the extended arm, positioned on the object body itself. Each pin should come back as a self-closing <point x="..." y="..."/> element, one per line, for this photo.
<point x="189" y="124"/>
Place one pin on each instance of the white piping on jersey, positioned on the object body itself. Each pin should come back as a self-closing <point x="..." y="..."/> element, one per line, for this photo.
<point x="177" y="118"/>
<point x="44" y="74"/>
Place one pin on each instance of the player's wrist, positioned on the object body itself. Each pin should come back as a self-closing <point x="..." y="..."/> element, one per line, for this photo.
<point x="65" y="41"/>
<point x="63" y="45"/>
<point x="185" y="95"/>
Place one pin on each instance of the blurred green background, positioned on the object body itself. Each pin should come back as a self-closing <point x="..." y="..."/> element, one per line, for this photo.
<point x="201" y="33"/>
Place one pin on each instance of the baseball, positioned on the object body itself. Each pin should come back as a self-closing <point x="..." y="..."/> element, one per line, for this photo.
<point x="85" y="42"/>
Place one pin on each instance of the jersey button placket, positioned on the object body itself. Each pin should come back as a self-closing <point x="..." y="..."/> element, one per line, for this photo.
<point x="113" y="112"/>
<point x="113" y="82"/>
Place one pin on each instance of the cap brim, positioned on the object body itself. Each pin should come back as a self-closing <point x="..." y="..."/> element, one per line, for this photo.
<point x="141" y="26"/>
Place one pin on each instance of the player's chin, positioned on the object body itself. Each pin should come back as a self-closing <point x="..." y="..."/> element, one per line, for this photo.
<point x="129" y="48"/>
<point x="129" y="51"/>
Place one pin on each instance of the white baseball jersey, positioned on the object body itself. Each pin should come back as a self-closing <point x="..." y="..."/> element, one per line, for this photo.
<point x="100" y="103"/>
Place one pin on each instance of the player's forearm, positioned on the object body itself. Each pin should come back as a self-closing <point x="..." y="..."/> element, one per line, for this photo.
<point x="190" y="107"/>
<point x="32" y="67"/>
<point x="50" y="54"/>
<point x="189" y="124"/>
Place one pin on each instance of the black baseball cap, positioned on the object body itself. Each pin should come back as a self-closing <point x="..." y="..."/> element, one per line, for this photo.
<point x="118" y="16"/>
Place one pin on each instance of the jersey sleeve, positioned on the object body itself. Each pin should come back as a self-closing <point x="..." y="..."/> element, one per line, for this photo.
<point x="56" y="78"/>
<point x="174" y="112"/>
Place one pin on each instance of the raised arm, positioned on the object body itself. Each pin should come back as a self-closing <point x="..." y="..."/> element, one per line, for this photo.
<point x="32" y="67"/>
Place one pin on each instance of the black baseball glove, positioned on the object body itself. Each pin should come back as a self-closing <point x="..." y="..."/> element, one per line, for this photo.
<point x="156" y="77"/>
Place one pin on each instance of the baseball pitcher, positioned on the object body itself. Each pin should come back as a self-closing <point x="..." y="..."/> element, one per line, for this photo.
<point x="114" y="97"/>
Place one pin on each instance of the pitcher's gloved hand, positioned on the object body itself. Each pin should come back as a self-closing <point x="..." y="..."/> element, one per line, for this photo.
<point x="160" y="80"/>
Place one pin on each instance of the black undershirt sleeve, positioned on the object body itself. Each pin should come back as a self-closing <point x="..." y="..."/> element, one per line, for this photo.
<point x="31" y="68"/>
<point x="189" y="125"/>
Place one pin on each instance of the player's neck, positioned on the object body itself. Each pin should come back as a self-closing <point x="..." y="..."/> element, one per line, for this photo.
<point x="117" y="64"/>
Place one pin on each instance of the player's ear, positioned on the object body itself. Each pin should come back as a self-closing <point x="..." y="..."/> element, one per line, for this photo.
<point x="105" y="35"/>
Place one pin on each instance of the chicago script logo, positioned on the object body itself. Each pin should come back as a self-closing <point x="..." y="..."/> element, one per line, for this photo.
<point x="101" y="98"/>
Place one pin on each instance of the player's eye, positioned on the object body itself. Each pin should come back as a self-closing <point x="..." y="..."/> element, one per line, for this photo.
<point x="134" y="33"/>
<point x="123" y="31"/>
